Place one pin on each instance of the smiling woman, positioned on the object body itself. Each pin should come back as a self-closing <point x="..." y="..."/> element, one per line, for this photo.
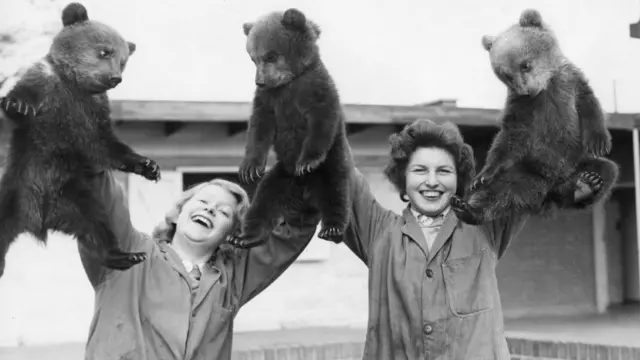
<point x="187" y="293"/>
<point x="202" y="220"/>
<point x="457" y="310"/>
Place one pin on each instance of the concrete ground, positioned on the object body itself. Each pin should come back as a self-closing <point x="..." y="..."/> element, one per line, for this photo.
<point x="618" y="327"/>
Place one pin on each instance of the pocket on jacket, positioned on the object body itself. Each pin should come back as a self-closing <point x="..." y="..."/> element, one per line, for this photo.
<point x="470" y="283"/>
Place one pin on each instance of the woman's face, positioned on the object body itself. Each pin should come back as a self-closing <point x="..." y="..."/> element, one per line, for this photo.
<point x="431" y="180"/>
<point x="208" y="217"/>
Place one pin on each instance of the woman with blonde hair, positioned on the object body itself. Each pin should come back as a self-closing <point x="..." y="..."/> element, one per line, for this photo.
<point x="180" y="302"/>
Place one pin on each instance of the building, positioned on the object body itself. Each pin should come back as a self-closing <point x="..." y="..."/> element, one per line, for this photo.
<point x="581" y="262"/>
<point x="578" y="263"/>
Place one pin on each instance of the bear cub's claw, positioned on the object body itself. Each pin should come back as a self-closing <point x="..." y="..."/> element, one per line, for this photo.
<point x="483" y="178"/>
<point x="245" y="242"/>
<point x="332" y="233"/>
<point x="464" y="211"/>
<point x="148" y="169"/>
<point x="306" y="167"/>
<point x="119" y="260"/>
<point x="598" y="144"/>
<point x="250" y="172"/>
<point x="21" y="107"/>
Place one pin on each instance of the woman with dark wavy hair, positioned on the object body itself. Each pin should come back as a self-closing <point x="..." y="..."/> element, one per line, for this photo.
<point x="433" y="292"/>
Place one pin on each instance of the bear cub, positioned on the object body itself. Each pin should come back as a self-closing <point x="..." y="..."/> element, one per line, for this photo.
<point x="553" y="132"/>
<point x="62" y="135"/>
<point x="297" y="109"/>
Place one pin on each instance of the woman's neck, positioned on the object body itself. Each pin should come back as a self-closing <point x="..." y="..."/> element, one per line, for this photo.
<point x="194" y="253"/>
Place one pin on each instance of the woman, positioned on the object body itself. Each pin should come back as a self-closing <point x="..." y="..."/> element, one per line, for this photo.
<point x="180" y="302"/>
<point x="433" y="292"/>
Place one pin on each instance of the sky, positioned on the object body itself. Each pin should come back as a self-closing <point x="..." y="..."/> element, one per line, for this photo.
<point x="378" y="51"/>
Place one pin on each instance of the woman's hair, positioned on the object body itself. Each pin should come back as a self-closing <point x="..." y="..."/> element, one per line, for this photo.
<point x="166" y="229"/>
<point x="427" y="134"/>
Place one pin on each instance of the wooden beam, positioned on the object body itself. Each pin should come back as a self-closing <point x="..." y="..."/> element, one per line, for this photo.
<point x="353" y="129"/>
<point x="235" y="128"/>
<point x="185" y="111"/>
<point x="171" y="127"/>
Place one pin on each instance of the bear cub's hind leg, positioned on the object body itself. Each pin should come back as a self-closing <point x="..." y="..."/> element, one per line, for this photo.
<point x="77" y="212"/>
<point x="332" y="195"/>
<point x="10" y="224"/>
<point x="274" y="189"/>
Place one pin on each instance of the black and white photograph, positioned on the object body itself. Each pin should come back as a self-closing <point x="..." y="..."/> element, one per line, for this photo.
<point x="319" y="180"/>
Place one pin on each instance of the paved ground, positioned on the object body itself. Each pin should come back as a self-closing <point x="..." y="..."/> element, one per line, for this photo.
<point x="619" y="327"/>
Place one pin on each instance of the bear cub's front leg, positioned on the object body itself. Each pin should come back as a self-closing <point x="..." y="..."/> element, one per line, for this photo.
<point x="123" y="158"/>
<point x="26" y="97"/>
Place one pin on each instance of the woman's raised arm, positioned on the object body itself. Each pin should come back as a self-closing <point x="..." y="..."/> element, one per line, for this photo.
<point x="260" y="266"/>
<point x="111" y="195"/>
<point x="367" y="217"/>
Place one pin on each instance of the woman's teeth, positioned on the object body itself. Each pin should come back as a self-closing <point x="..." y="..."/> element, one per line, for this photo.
<point x="431" y="194"/>
<point x="202" y="221"/>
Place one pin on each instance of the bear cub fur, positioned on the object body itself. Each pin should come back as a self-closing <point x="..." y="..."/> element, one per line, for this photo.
<point x="296" y="108"/>
<point x="62" y="135"/>
<point x="553" y="131"/>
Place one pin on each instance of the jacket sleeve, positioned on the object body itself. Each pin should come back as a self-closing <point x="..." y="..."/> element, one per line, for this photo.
<point x="260" y="266"/>
<point x="368" y="219"/>
<point x="112" y="196"/>
<point x="502" y="231"/>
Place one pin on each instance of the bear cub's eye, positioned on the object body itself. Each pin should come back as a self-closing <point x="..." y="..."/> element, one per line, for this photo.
<point x="105" y="53"/>
<point x="271" y="56"/>
<point x="525" y="66"/>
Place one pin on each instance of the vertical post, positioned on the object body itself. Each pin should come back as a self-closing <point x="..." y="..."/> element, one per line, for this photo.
<point x="633" y="270"/>
<point x="636" y="170"/>
<point x="600" y="256"/>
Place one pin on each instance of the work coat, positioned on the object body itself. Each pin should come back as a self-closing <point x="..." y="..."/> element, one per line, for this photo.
<point x="149" y="313"/>
<point x="429" y="304"/>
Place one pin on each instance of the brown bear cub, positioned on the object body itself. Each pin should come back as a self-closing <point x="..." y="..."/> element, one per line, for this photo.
<point x="62" y="135"/>
<point x="553" y="131"/>
<point x="296" y="108"/>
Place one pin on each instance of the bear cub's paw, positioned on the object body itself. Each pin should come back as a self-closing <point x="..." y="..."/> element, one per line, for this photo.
<point x="332" y="233"/>
<point x="251" y="171"/>
<point x="148" y="169"/>
<point x="244" y="241"/>
<point x="253" y="234"/>
<point x="119" y="260"/>
<point x="590" y="179"/>
<point x="307" y="166"/>
<point x="17" y="105"/>
<point x="484" y="178"/>
<point x="598" y="144"/>
<point x="465" y="212"/>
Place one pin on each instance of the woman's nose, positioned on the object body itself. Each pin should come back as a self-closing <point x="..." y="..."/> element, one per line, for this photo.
<point x="431" y="180"/>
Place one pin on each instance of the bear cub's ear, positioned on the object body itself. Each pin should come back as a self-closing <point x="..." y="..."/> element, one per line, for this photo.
<point x="74" y="13"/>
<point x="294" y="19"/>
<point x="246" y="27"/>
<point x="487" y="42"/>
<point x="531" y="18"/>
<point x="132" y="47"/>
